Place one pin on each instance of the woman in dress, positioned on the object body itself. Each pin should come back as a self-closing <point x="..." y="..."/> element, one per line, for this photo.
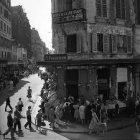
<point x="93" y="126"/>
<point x="76" y="112"/>
<point x="82" y="113"/>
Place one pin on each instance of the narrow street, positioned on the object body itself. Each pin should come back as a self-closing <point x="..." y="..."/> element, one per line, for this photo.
<point x="21" y="91"/>
<point x="36" y="84"/>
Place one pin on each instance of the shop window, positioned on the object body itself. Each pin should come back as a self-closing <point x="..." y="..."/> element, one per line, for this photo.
<point x="120" y="9"/>
<point x="100" y="42"/>
<point x="71" y="43"/>
<point x="101" y="8"/>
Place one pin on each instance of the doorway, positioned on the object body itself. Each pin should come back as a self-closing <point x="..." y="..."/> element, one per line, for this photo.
<point x="103" y="82"/>
<point x="72" y="77"/>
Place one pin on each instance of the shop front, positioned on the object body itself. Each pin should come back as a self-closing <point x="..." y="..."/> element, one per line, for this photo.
<point x="110" y="78"/>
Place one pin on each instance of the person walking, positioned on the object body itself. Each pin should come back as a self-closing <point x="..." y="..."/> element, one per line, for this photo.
<point x="10" y="125"/>
<point x="29" y="93"/>
<point x="20" y="105"/>
<point x="17" y="117"/>
<point x="8" y="103"/>
<point x="38" y="119"/>
<point x="29" y="120"/>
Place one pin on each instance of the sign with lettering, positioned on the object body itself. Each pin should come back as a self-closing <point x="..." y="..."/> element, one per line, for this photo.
<point x="55" y="57"/>
<point x="68" y="16"/>
<point x="108" y="29"/>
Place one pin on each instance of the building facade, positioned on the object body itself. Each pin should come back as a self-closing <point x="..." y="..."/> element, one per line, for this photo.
<point x="95" y="47"/>
<point x="38" y="46"/>
<point x="5" y="34"/>
<point x="21" y="29"/>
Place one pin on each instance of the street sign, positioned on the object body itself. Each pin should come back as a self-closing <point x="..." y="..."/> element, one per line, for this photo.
<point x="55" y="57"/>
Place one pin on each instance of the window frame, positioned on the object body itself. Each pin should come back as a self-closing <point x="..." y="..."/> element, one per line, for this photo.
<point x="120" y="9"/>
<point x="100" y="11"/>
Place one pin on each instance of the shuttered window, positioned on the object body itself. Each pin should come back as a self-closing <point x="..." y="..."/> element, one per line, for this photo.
<point x="120" y="9"/>
<point x="100" y="42"/>
<point x="101" y="8"/>
<point x="114" y="44"/>
<point x="94" y="42"/>
<point x="138" y="11"/>
<point x="129" y="44"/>
<point x="106" y="43"/>
<point x="71" y="43"/>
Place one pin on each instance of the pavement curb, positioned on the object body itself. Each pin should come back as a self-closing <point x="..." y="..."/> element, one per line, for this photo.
<point x="109" y="130"/>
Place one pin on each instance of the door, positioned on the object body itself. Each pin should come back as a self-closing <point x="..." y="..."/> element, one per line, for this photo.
<point x="72" y="76"/>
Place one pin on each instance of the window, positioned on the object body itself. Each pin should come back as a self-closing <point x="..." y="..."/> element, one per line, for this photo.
<point x="120" y="9"/>
<point x="138" y="11"/>
<point x="121" y="44"/>
<point x="1" y="25"/>
<point x="1" y="10"/>
<point x="2" y="54"/>
<point x="100" y="42"/>
<point x="71" y="43"/>
<point x="6" y="14"/>
<point x="101" y="8"/>
<point x="4" y="27"/>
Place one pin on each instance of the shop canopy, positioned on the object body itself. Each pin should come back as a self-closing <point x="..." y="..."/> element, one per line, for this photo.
<point x="90" y="62"/>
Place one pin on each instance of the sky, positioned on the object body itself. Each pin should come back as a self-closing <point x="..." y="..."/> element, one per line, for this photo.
<point x="39" y="15"/>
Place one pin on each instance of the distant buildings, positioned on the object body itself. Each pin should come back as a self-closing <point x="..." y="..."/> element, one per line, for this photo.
<point x="21" y="29"/>
<point x="5" y="34"/>
<point x="38" y="46"/>
<point x="16" y="46"/>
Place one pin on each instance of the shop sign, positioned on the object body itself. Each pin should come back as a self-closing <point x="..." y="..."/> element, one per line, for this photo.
<point x="55" y="57"/>
<point x="68" y="16"/>
<point x="105" y="29"/>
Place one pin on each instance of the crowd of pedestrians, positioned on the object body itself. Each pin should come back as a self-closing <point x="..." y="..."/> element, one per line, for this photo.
<point x="94" y="113"/>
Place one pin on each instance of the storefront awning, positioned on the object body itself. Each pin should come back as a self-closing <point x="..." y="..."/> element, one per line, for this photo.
<point x="90" y="62"/>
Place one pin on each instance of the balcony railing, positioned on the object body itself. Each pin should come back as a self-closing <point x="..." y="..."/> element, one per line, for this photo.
<point x="69" y="16"/>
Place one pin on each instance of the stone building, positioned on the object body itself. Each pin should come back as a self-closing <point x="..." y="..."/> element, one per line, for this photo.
<point x="5" y="34"/>
<point x="38" y="46"/>
<point x="21" y="29"/>
<point x="95" y="48"/>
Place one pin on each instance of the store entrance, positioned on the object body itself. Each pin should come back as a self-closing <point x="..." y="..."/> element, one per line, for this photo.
<point x="103" y="82"/>
<point x="72" y="77"/>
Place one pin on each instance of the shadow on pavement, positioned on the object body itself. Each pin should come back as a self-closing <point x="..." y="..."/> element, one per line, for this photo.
<point x="6" y="92"/>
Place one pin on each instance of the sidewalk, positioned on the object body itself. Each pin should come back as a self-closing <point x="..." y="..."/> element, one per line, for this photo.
<point x="78" y="128"/>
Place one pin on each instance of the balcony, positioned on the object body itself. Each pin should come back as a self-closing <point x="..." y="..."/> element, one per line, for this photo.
<point x="69" y="16"/>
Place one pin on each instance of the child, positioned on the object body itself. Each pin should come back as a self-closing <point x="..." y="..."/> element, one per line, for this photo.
<point x="138" y="123"/>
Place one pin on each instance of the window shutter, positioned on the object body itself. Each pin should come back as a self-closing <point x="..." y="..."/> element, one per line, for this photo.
<point x="112" y="11"/>
<point x="128" y="9"/>
<point x="94" y="42"/>
<point x="129" y="44"/>
<point x="123" y="6"/>
<point x="114" y="44"/>
<point x="98" y="8"/>
<point x="104" y="8"/>
<point x="79" y="41"/>
<point x="106" y="43"/>
<point x="118" y="9"/>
